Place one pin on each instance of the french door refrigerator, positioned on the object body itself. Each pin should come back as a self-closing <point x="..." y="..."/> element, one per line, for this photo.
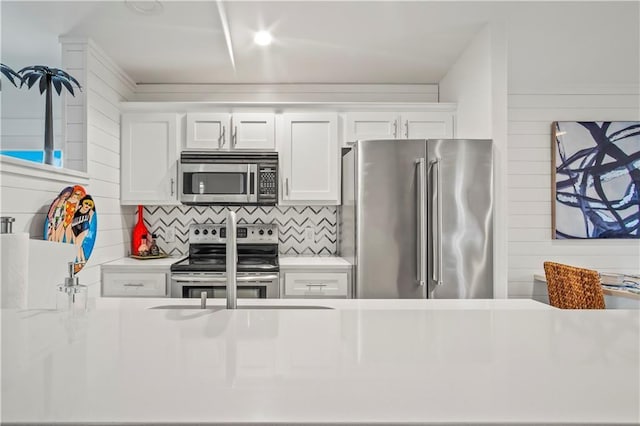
<point x="416" y="218"/>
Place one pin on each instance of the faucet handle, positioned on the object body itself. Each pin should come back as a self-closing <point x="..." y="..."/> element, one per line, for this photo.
<point x="203" y="300"/>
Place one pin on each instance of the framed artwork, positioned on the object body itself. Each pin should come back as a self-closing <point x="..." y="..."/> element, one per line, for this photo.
<point x="596" y="179"/>
<point x="72" y="219"/>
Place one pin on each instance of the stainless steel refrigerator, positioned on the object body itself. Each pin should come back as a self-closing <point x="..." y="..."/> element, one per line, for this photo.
<point x="416" y="218"/>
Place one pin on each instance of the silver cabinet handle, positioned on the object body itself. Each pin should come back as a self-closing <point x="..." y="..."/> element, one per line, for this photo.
<point x="173" y="181"/>
<point x="395" y="129"/>
<point x="234" y="137"/>
<point x="203" y="299"/>
<point x="406" y="129"/>
<point x="222" y="138"/>
<point x="316" y="285"/>
<point x="421" y="261"/>
<point x="286" y="186"/>
<point x="133" y="285"/>
<point x="436" y="225"/>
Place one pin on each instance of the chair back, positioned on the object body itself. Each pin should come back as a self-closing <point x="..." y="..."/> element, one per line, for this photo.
<point x="573" y="288"/>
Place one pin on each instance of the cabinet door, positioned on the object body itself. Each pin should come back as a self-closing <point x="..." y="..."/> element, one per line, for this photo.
<point x="370" y="125"/>
<point x="149" y="159"/>
<point x="207" y="131"/>
<point x="253" y="131"/>
<point x="427" y="125"/>
<point x="307" y="284"/>
<point x="134" y="284"/>
<point x="309" y="159"/>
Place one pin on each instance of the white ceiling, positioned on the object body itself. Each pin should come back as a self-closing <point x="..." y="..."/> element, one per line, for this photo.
<point x="314" y="42"/>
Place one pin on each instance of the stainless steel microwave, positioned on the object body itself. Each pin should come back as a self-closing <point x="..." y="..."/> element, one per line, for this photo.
<point x="228" y="178"/>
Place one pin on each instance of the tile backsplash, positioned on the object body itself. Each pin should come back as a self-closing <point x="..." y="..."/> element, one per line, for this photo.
<point x="293" y="224"/>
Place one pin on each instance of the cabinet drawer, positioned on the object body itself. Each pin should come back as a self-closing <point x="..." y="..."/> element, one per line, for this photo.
<point x="151" y="284"/>
<point x="316" y="284"/>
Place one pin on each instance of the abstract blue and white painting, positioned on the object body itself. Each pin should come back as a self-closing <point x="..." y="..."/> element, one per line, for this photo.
<point x="597" y="179"/>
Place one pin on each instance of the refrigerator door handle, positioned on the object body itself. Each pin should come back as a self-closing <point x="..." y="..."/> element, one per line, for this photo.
<point x="436" y="223"/>
<point x="422" y="223"/>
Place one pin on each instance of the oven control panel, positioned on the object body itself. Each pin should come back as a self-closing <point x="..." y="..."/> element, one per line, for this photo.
<point x="209" y="233"/>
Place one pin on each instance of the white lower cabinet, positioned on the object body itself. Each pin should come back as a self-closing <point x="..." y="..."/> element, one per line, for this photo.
<point x="134" y="284"/>
<point x="316" y="284"/>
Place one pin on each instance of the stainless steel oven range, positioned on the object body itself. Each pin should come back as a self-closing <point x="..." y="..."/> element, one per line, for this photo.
<point x="204" y="268"/>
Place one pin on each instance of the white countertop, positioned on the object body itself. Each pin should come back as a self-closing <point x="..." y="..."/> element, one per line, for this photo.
<point x="313" y="261"/>
<point x="285" y="261"/>
<point x="138" y="263"/>
<point x="392" y="361"/>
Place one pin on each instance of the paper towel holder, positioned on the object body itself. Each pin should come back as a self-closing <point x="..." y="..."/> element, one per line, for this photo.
<point x="6" y="224"/>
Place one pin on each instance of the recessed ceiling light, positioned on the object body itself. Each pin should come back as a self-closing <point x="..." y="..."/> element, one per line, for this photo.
<point x="263" y="38"/>
<point x="145" y="7"/>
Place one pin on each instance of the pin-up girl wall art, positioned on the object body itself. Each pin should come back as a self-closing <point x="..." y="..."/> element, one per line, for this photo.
<point x="72" y="219"/>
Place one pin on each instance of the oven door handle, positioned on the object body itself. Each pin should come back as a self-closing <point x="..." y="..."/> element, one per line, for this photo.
<point x="183" y="279"/>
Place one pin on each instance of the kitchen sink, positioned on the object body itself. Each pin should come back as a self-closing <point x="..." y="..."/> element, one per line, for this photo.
<point x="262" y="307"/>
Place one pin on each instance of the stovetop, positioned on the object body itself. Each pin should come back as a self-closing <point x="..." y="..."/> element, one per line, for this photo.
<point x="257" y="249"/>
<point x="218" y="264"/>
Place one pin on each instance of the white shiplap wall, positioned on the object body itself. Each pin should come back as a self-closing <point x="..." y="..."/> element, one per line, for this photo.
<point x="330" y="93"/>
<point x="529" y="184"/>
<point x="105" y="86"/>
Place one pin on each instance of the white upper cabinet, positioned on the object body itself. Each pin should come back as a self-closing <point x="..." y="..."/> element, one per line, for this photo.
<point x="253" y="131"/>
<point x="309" y="159"/>
<point x="398" y="125"/>
<point x="207" y="130"/>
<point x="149" y="155"/>
<point x="371" y="125"/>
<point x="427" y="125"/>
<point x="237" y="131"/>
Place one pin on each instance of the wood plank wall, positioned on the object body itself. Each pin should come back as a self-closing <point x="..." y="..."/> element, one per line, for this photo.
<point x="94" y="117"/>
<point x="529" y="184"/>
<point x="106" y="86"/>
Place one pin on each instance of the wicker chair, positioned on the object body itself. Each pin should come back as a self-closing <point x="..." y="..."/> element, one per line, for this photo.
<point x="573" y="288"/>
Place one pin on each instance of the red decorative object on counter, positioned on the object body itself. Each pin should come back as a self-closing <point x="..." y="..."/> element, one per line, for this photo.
<point x="138" y="231"/>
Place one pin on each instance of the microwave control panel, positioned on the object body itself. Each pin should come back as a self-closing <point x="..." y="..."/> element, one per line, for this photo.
<point x="268" y="183"/>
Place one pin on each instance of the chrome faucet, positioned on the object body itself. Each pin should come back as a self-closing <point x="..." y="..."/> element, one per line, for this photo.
<point x="232" y="261"/>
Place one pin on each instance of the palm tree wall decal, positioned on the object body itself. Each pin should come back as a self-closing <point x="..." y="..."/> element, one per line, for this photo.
<point x="10" y="74"/>
<point x="47" y="78"/>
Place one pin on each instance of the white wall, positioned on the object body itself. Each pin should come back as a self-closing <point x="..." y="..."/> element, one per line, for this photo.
<point x="468" y="84"/>
<point x="27" y="191"/>
<point x="105" y="86"/>
<point x="576" y="61"/>
<point x="288" y="92"/>
<point x="477" y="84"/>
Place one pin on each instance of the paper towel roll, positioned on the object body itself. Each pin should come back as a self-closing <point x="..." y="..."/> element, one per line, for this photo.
<point x="14" y="260"/>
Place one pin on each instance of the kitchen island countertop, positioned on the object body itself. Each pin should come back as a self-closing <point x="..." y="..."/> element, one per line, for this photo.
<point x="388" y="362"/>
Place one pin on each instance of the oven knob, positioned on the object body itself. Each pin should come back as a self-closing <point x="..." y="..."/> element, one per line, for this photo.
<point x="213" y="232"/>
<point x="205" y="232"/>
<point x="270" y="232"/>
<point x="197" y="231"/>
<point x="261" y="232"/>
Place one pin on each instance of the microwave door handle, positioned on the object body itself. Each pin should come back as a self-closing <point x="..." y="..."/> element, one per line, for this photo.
<point x="249" y="182"/>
